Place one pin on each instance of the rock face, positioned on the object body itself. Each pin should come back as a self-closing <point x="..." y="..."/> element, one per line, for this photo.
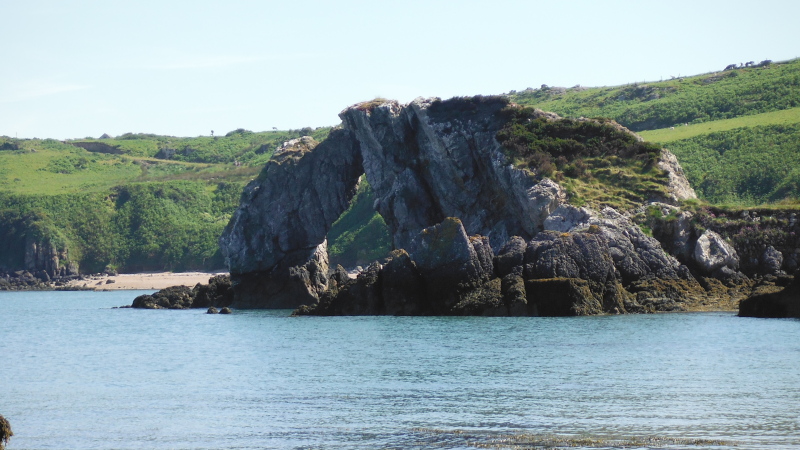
<point x="714" y="256"/>
<point x="679" y="187"/>
<point x="216" y="294"/>
<point x="274" y="244"/>
<point x="451" y="199"/>
<point x="431" y="159"/>
<point x="781" y="304"/>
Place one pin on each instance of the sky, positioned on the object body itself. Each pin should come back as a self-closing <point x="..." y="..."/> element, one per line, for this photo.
<point x="75" y="69"/>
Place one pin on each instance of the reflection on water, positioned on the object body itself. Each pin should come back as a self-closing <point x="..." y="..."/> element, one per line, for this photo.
<point x="78" y="374"/>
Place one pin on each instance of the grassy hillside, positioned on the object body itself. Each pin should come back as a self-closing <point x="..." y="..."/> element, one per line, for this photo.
<point x="735" y="132"/>
<point x="696" y="99"/>
<point x="126" y="203"/>
<point x="360" y="236"/>
<point x="148" y="202"/>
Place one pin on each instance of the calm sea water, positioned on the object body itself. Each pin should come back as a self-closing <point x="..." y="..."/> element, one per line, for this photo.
<point x="77" y="374"/>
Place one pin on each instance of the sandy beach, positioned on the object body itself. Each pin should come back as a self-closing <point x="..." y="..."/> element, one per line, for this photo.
<point x="147" y="280"/>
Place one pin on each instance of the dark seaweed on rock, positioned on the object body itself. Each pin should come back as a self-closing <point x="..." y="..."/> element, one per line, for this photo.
<point x="5" y="432"/>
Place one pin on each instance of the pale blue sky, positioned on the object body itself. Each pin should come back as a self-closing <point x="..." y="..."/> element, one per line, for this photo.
<point x="82" y="68"/>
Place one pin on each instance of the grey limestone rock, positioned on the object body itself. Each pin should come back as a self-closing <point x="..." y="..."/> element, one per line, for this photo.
<point x="448" y="261"/>
<point x="430" y="159"/>
<point x="274" y="243"/>
<point x="713" y="255"/>
<point x="771" y="260"/>
<point x="679" y="187"/>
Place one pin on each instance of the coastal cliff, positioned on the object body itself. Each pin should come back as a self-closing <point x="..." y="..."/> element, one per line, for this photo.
<point x="493" y="210"/>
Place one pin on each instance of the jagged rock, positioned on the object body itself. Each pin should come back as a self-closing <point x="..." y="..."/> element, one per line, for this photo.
<point x="677" y="236"/>
<point x="714" y="256"/>
<point x="347" y="297"/>
<point x="780" y="304"/>
<point x="569" y="255"/>
<point x="428" y="163"/>
<point x="771" y="260"/>
<point x="273" y="244"/>
<point x="402" y="286"/>
<point x="212" y="310"/>
<point x="449" y="262"/>
<point x="286" y="285"/>
<point x="679" y="187"/>
<point x="174" y="297"/>
<point x="511" y="255"/>
<point x="215" y="294"/>
<point x="566" y="218"/>
<point x="561" y="297"/>
<point x="431" y="159"/>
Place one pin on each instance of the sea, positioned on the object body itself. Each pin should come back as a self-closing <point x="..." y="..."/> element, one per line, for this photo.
<point x="77" y="373"/>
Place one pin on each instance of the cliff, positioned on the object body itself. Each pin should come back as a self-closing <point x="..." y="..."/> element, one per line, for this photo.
<point x="479" y="225"/>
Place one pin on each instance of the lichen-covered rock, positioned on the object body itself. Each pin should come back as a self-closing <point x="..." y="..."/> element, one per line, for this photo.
<point x="714" y="256"/>
<point x="511" y="255"/>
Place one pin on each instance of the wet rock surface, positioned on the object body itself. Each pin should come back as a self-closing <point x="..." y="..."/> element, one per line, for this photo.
<point x="216" y="294"/>
<point x="772" y="300"/>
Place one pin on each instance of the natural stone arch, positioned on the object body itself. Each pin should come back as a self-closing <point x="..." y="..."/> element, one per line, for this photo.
<point x="275" y="243"/>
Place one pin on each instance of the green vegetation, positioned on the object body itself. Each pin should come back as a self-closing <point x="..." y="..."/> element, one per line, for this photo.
<point x="360" y="235"/>
<point x="597" y="163"/>
<point x="136" y="227"/>
<point x="240" y="145"/>
<point x="113" y="204"/>
<point x="667" y="135"/>
<point x="697" y="99"/>
<point x="743" y="166"/>
<point x="734" y="132"/>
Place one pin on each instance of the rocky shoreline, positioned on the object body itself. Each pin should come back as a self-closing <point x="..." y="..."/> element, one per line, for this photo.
<point x="481" y="230"/>
<point x="23" y="280"/>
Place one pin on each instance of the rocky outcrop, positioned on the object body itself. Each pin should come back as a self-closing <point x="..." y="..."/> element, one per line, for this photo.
<point x="451" y="198"/>
<point x="274" y="244"/>
<point x="429" y="160"/>
<point x="679" y="187"/>
<point x="447" y="273"/>
<point x="602" y="264"/>
<point x="216" y="294"/>
<point x="714" y="256"/>
<point x="779" y="303"/>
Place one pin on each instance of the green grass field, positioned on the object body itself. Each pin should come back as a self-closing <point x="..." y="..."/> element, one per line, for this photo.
<point x="662" y="104"/>
<point x="665" y="135"/>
